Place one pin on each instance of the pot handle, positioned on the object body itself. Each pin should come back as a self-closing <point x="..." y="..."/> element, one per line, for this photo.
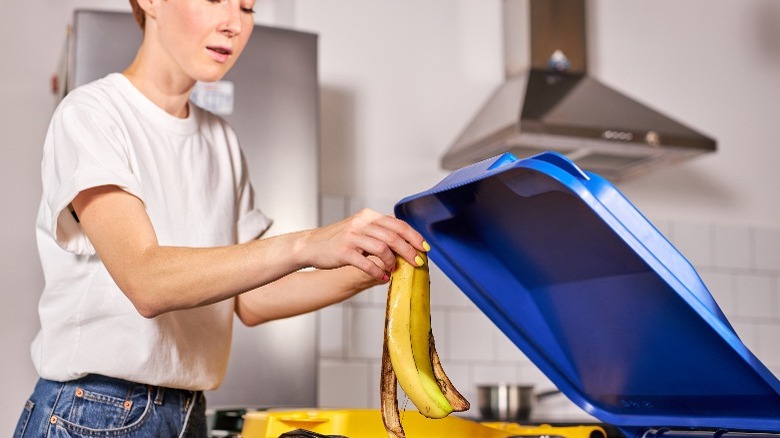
<point x="545" y="394"/>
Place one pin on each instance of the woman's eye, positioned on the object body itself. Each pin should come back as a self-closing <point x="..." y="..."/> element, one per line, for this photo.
<point x="248" y="7"/>
<point x="246" y="10"/>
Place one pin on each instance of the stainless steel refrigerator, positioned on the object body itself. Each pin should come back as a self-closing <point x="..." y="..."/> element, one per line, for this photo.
<point x="271" y="98"/>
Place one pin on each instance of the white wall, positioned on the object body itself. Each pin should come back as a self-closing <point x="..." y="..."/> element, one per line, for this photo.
<point x="715" y="66"/>
<point x="400" y="79"/>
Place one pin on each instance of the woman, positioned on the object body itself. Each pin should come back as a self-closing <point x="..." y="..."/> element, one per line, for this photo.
<point x="148" y="234"/>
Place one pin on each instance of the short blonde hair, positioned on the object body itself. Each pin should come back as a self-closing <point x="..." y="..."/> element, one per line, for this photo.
<point x="138" y="13"/>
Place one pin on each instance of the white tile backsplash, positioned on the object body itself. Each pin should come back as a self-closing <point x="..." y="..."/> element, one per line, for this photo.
<point x="531" y="374"/>
<point x="490" y="373"/>
<point x="368" y="327"/>
<point x="506" y="350"/>
<point x="731" y="247"/>
<point x="740" y="265"/>
<point x="343" y="384"/>
<point x="376" y="296"/>
<point x="373" y="389"/>
<point x="767" y="246"/>
<point x="444" y="293"/>
<point x="754" y="296"/>
<point x="331" y="331"/>
<point x="471" y="333"/>
<point x="439" y="321"/>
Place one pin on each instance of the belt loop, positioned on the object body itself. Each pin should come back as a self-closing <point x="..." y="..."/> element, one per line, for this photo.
<point x="158" y="397"/>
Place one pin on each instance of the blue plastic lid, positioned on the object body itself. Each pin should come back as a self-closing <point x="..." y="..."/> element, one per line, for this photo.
<point x="593" y="294"/>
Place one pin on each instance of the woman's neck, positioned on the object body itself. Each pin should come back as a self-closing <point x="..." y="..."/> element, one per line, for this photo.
<point x="167" y="90"/>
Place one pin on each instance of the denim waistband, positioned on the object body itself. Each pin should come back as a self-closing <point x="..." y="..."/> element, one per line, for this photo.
<point x="124" y="388"/>
<point x="115" y="407"/>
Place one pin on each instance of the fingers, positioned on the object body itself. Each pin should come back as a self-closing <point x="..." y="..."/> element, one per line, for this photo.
<point x="370" y="266"/>
<point x="368" y="246"/>
<point x="395" y="237"/>
<point x="369" y="241"/>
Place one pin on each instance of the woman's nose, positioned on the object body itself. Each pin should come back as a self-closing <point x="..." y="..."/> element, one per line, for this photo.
<point x="232" y="18"/>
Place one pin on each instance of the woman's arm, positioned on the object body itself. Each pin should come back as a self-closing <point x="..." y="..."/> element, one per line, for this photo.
<point x="299" y="293"/>
<point x="159" y="279"/>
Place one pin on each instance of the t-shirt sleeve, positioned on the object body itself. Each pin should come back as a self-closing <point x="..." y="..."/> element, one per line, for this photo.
<point x="252" y="223"/>
<point x="85" y="147"/>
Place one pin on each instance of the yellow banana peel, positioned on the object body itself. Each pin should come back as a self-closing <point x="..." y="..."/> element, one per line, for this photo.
<point x="409" y="352"/>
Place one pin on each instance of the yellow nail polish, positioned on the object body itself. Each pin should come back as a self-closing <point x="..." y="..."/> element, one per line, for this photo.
<point x="419" y="261"/>
<point x="426" y="247"/>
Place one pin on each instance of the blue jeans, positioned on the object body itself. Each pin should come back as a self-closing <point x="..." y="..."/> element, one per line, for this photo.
<point x="98" y="406"/>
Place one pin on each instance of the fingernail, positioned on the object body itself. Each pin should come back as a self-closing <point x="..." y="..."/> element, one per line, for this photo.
<point x="385" y="278"/>
<point x="426" y="247"/>
<point x="419" y="261"/>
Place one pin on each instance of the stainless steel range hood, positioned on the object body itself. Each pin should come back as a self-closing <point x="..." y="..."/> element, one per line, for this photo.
<point x="551" y="103"/>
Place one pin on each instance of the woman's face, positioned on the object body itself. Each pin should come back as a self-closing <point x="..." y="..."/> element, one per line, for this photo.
<point x="202" y="38"/>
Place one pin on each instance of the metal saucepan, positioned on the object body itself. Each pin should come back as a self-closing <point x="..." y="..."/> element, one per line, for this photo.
<point x="504" y="402"/>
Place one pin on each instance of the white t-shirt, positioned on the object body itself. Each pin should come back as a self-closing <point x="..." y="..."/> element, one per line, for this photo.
<point x="192" y="179"/>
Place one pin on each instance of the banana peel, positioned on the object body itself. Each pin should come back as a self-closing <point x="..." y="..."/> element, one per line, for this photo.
<point x="389" y="390"/>
<point x="456" y="399"/>
<point x="409" y="356"/>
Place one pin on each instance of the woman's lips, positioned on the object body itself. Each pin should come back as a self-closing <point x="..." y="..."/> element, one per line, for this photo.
<point x="220" y="53"/>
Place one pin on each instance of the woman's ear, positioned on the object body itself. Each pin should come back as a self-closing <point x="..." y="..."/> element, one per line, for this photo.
<point x="149" y="7"/>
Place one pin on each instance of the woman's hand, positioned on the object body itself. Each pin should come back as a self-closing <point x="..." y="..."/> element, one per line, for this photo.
<point x="354" y="240"/>
<point x="344" y="252"/>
